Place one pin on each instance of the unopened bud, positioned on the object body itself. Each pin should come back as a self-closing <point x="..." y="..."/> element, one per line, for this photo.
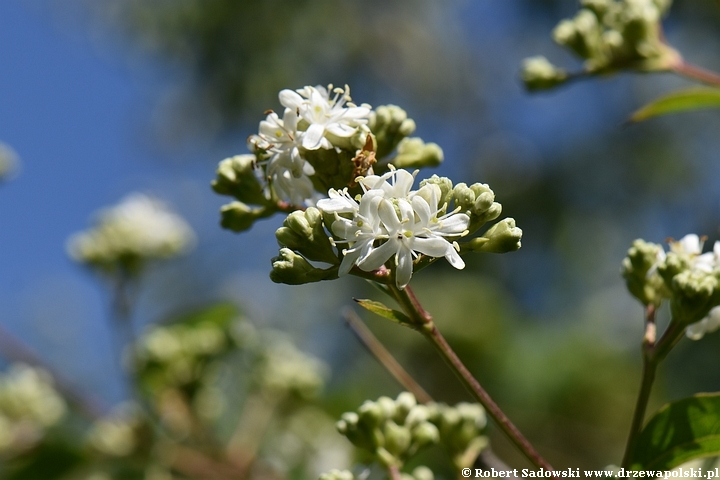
<point x="539" y="74"/>
<point x="293" y="269"/>
<point x="413" y="153"/>
<point x="237" y="216"/>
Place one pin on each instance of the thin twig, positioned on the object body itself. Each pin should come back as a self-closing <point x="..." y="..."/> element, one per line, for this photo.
<point x="648" y="377"/>
<point x="382" y="355"/>
<point x="424" y="323"/>
<point x="696" y="73"/>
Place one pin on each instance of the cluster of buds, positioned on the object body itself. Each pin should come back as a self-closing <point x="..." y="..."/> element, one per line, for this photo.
<point x="686" y="277"/>
<point x="391" y="226"/>
<point x="394" y="430"/>
<point x="29" y="406"/>
<point x="130" y="234"/>
<point x="609" y="35"/>
<point x="322" y="141"/>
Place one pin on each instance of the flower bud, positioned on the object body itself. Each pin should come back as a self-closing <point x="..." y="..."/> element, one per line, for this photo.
<point x="693" y="295"/>
<point x="404" y="403"/>
<point x="387" y="406"/>
<point x="641" y="258"/>
<point x="304" y="232"/>
<point x="425" y="434"/>
<point x="444" y="184"/>
<point x="236" y="176"/>
<point x="539" y="74"/>
<point x="238" y="217"/>
<point x="423" y="473"/>
<point x="293" y="269"/>
<point x="371" y="413"/>
<point x="390" y="125"/>
<point x="397" y="438"/>
<point x="413" y="153"/>
<point x="502" y="237"/>
<point x="333" y="167"/>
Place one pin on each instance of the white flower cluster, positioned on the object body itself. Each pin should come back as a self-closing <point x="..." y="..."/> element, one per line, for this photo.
<point x="29" y="404"/>
<point x="391" y="220"/>
<point x="312" y="119"/>
<point x="690" y="247"/>
<point x="140" y="227"/>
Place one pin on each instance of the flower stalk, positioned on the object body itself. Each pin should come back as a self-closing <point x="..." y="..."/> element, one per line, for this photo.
<point x="423" y="323"/>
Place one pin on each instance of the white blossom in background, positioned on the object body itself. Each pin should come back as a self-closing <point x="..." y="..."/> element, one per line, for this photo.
<point x="393" y="221"/>
<point x="140" y="227"/>
<point x="336" y="115"/>
<point x="29" y="404"/>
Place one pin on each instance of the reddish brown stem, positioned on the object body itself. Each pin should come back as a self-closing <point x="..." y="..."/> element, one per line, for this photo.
<point x="425" y="325"/>
<point x="696" y="73"/>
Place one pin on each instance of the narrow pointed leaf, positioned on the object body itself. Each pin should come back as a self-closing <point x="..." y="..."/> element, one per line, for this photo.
<point x="384" y="311"/>
<point x="680" y="101"/>
<point x="681" y="431"/>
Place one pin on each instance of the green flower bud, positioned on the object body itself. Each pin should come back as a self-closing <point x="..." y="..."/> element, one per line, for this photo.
<point x="397" y="438"/>
<point x="387" y="405"/>
<point x="371" y="413"/>
<point x="238" y="217"/>
<point x="693" y="295"/>
<point x="389" y="124"/>
<point x="641" y="258"/>
<point x="404" y="403"/>
<point x="478" y="202"/>
<point x="293" y="269"/>
<point x="445" y="185"/>
<point x="417" y="415"/>
<point x="425" y="434"/>
<point x="502" y="237"/>
<point x="539" y="74"/>
<point x="304" y="232"/>
<point x="413" y="153"/>
<point x="236" y="177"/>
<point x="423" y="473"/>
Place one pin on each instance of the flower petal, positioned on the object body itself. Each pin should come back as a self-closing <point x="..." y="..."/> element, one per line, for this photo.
<point x="404" y="269"/>
<point x="379" y="255"/>
<point x="313" y="136"/>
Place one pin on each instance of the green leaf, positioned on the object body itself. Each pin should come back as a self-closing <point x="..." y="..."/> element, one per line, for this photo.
<point x="679" y="432"/>
<point x="680" y="101"/>
<point x="386" y="312"/>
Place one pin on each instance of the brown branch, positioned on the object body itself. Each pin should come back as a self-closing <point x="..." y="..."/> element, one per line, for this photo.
<point x="382" y="355"/>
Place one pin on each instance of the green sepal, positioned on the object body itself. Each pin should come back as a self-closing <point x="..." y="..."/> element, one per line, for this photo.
<point x="384" y="311"/>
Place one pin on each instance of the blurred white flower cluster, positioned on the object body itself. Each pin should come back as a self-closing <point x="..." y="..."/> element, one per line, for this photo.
<point x="138" y="229"/>
<point x="29" y="405"/>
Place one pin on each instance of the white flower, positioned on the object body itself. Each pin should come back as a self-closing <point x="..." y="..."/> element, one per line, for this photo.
<point x="708" y="324"/>
<point x="336" y="115"/>
<point x="690" y="247"/>
<point x="418" y="229"/>
<point x="394" y="184"/>
<point x="361" y="231"/>
<point x="385" y="226"/>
